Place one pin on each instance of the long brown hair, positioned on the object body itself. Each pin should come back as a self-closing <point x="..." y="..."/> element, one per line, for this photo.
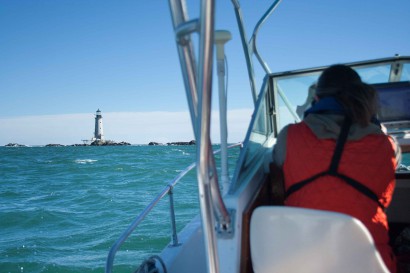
<point x="358" y="98"/>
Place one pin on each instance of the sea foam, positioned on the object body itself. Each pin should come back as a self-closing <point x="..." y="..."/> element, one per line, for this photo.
<point x="85" y="161"/>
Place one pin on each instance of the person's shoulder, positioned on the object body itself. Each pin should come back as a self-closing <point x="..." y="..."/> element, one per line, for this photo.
<point x="284" y="132"/>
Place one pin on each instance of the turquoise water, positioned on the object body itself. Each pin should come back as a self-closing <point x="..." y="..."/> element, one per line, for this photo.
<point x="61" y="208"/>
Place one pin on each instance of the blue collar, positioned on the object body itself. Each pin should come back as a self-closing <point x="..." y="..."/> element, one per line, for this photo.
<point x="329" y="105"/>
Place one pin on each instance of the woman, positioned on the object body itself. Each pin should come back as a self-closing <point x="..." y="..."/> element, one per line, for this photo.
<point x="338" y="158"/>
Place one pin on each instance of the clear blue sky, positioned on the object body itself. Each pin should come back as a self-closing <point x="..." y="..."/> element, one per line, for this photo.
<point x="66" y="57"/>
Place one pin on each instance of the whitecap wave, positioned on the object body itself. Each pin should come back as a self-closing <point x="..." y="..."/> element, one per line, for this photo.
<point x="85" y="161"/>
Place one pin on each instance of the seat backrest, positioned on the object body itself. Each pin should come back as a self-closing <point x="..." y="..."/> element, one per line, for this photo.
<point x="288" y="239"/>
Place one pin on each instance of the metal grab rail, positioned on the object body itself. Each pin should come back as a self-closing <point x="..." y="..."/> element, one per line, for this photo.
<point x="198" y="88"/>
<point x="167" y="190"/>
<point x="251" y="49"/>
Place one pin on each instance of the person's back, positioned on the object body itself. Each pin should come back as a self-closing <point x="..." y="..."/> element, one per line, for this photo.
<point x="337" y="160"/>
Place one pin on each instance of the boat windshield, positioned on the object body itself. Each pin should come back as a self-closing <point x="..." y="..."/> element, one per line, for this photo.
<point x="295" y="87"/>
<point x="284" y="97"/>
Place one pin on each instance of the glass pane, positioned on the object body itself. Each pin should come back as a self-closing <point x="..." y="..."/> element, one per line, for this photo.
<point x="405" y="74"/>
<point x="297" y="98"/>
<point x="258" y="135"/>
<point x="375" y="74"/>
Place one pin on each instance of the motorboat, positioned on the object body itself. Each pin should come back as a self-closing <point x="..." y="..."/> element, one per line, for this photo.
<point x="240" y="228"/>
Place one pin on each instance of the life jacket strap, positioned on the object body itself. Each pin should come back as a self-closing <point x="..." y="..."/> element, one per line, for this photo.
<point x="340" y="144"/>
<point x="333" y="169"/>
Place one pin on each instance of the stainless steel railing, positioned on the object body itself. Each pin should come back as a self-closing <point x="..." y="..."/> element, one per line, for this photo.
<point x="168" y="189"/>
<point x="198" y="86"/>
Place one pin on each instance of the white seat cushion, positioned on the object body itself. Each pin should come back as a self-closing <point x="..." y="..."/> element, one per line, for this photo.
<point x="297" y="240"/>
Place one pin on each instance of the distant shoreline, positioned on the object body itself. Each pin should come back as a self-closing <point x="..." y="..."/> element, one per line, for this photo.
<point x="106" y="143"/>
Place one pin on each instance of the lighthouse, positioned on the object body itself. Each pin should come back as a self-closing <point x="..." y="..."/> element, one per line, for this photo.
<point x="98" y="133"/>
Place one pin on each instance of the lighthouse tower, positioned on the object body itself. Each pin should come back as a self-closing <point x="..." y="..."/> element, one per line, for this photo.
<point x="98" y="133"/>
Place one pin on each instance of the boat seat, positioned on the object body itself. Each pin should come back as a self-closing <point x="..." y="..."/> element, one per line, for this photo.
<point x="289" y="239"/>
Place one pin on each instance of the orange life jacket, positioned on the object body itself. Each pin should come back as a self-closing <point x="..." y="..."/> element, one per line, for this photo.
<point x="368" y="162"/>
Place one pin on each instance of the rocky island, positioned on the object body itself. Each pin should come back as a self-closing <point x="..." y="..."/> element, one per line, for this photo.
<point x="94" y="143"/>
<point x="108" y="143"/>
<point x="99" y="140"/>
<point x="54" y="145"/>
<point x="14" y="145"/>
<point x="192" y="142"/>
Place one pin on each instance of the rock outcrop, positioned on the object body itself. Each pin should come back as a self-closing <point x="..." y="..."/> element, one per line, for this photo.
<point x="192" y="142"/>
<point x="54" y="145"/>
<point x="155" y="144"/>
<point x="108" y="143"/>
<point x="15" y="145"/>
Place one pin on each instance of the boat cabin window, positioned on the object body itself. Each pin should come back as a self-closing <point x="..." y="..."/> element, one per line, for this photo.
<point x="297" y="98"/>
<point x="260" y="129"/>
<point x="374" y="73"/>
<point x="381" y="73"/>
<point x="405" y="74"/>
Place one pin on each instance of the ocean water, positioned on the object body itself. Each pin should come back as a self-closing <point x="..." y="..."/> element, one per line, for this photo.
<point x="61" y="208"/>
